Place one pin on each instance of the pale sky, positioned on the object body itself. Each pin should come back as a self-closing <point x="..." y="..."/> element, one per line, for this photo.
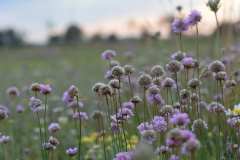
<point x="32" y="16"/>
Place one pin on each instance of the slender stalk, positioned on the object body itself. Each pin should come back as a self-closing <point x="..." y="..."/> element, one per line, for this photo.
<point x="80" y="132"/>
<point x="130" y="85"/>
<point x="180" y="42"/>
<point x="41" y="136"/>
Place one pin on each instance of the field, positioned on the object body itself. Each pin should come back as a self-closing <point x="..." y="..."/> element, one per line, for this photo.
<point x="81" y="65"/>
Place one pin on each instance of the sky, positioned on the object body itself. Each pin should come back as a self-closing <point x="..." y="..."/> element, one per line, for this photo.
<point x="35" y="18"/>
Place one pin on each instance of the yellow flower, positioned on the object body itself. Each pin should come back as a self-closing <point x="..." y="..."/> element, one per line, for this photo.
<point x="90" y="139"/>
<point x="236" y="111"/>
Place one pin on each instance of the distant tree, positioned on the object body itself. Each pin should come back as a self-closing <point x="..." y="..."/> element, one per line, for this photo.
<point x="10" y="37"/>
<point x="112" y="38"/>
<point x="73" y="34"/>
<point x="55" y="39"/>
<point x="97" y="37"/>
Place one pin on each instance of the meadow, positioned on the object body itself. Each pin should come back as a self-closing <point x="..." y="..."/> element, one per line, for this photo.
<point x="155" y="102"/>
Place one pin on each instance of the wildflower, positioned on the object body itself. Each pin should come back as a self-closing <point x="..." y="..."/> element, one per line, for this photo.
<point x="166" y="110"/>
<point x="162" y="150"/>
<point x="53" y="141"/>
<point x="199" y="125"/>
<point x="35" y="87"/>
<point x="178" y="56"/>
<point x="180" y="119"/>
<point x="80" y="115"/>
<point x="194" y="83"/>
<point x="45" y="89"/>
<point x="159" y="124"/>
<point x="13" y="91"/>
<point x="179" y="25"/>
<point x="136" y="100"/>
<point x="144" y="80"/>
<point x="157" y="71"/>
<point x="96" y="87"/>
<point x="48" y="146"/>
<point x="35" y="104"/>
<point x="144" y="126"/>
<point x="149" y="136"/>
<point x="213" y="5"/>
<point x="194" y="17"/>
<point x="230" y="83"/>
<point x="54" y="127"/>
<point x="75" y="104"/>
<point x="191" y="146"/>
<point x="125" y="113"/>
<point x="114" y="83"/>
<point x="3" y="112"/>
<point x="105" y="90"/>
<point x="20" y="108"/>
<point x="117" y="71"/>
<point x="174" y="66"/>
<point x="129" y="105"/>
<point x="123" y="156"/>
<point x="216" y="66"/>
<point x="220" y="76"/>
<point x="216" y="107"/>
<point x="108" y="54"/>
<point x="174" y="157"/>
<point x="128" y="69"/>
<point x="188" y="62"/>
<point x="168" y="83"/>
<point x="69" y="94"/>
<point x="72" y="151"/>
<point x="4" y="139"/>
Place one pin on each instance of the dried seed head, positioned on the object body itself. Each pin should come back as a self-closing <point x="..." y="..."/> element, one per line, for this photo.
<point x="144" y="80"/>
<point x="157" y="71"/>
<point x="117" y="71"/>
<point x="114" y="83"/>
<point x="96" y="87"/>
<point x="194" y="83"/>
<point x="106" y="90"/>
<point x="136" y="100"/>
<point x="220" y="76"/>
<point x="216" y="66"/>
<point x="213" y="5"/>
<point x="174" y="66"/>
<point x="129" y="69"/>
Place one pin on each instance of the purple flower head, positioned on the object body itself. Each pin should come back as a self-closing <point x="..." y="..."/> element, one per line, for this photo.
<point x="115" y="127"/>
<point x="45" y="89"/>
<point x="66" y="98"/>
<point x="54" y="127"/>
<point x="174" y="157"/>
<point x="188" y="62"/>
<point x="155" y="99"/>
<point x="108" y="54"/>
<point x="128" y="105"/>
<point x="125" y="113"/>
<point x="186" y="135"/>
<point x="144" y="126"/>
<point x="4" y="112"/>
<point x="20" y="108"/>
<point x="4" y="139"/>
<point x="193" y="18"/>
<point x="108" y="75"/>
<point x="13" y="91"/>
<point x="35" y="104"/>
<point x="123" y="156"/>
<point x="159" y="124"/>
<point x="72" y="151"/>
<point x="180" y="119"/>
<point x="179" y="25"/>
<point x="190" y="146"/>
<point x="80" y="115"/>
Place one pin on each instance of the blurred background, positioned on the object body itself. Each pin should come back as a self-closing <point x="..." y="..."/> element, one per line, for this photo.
<point x="49" y="40"/>
<point x="42" y="22"/>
